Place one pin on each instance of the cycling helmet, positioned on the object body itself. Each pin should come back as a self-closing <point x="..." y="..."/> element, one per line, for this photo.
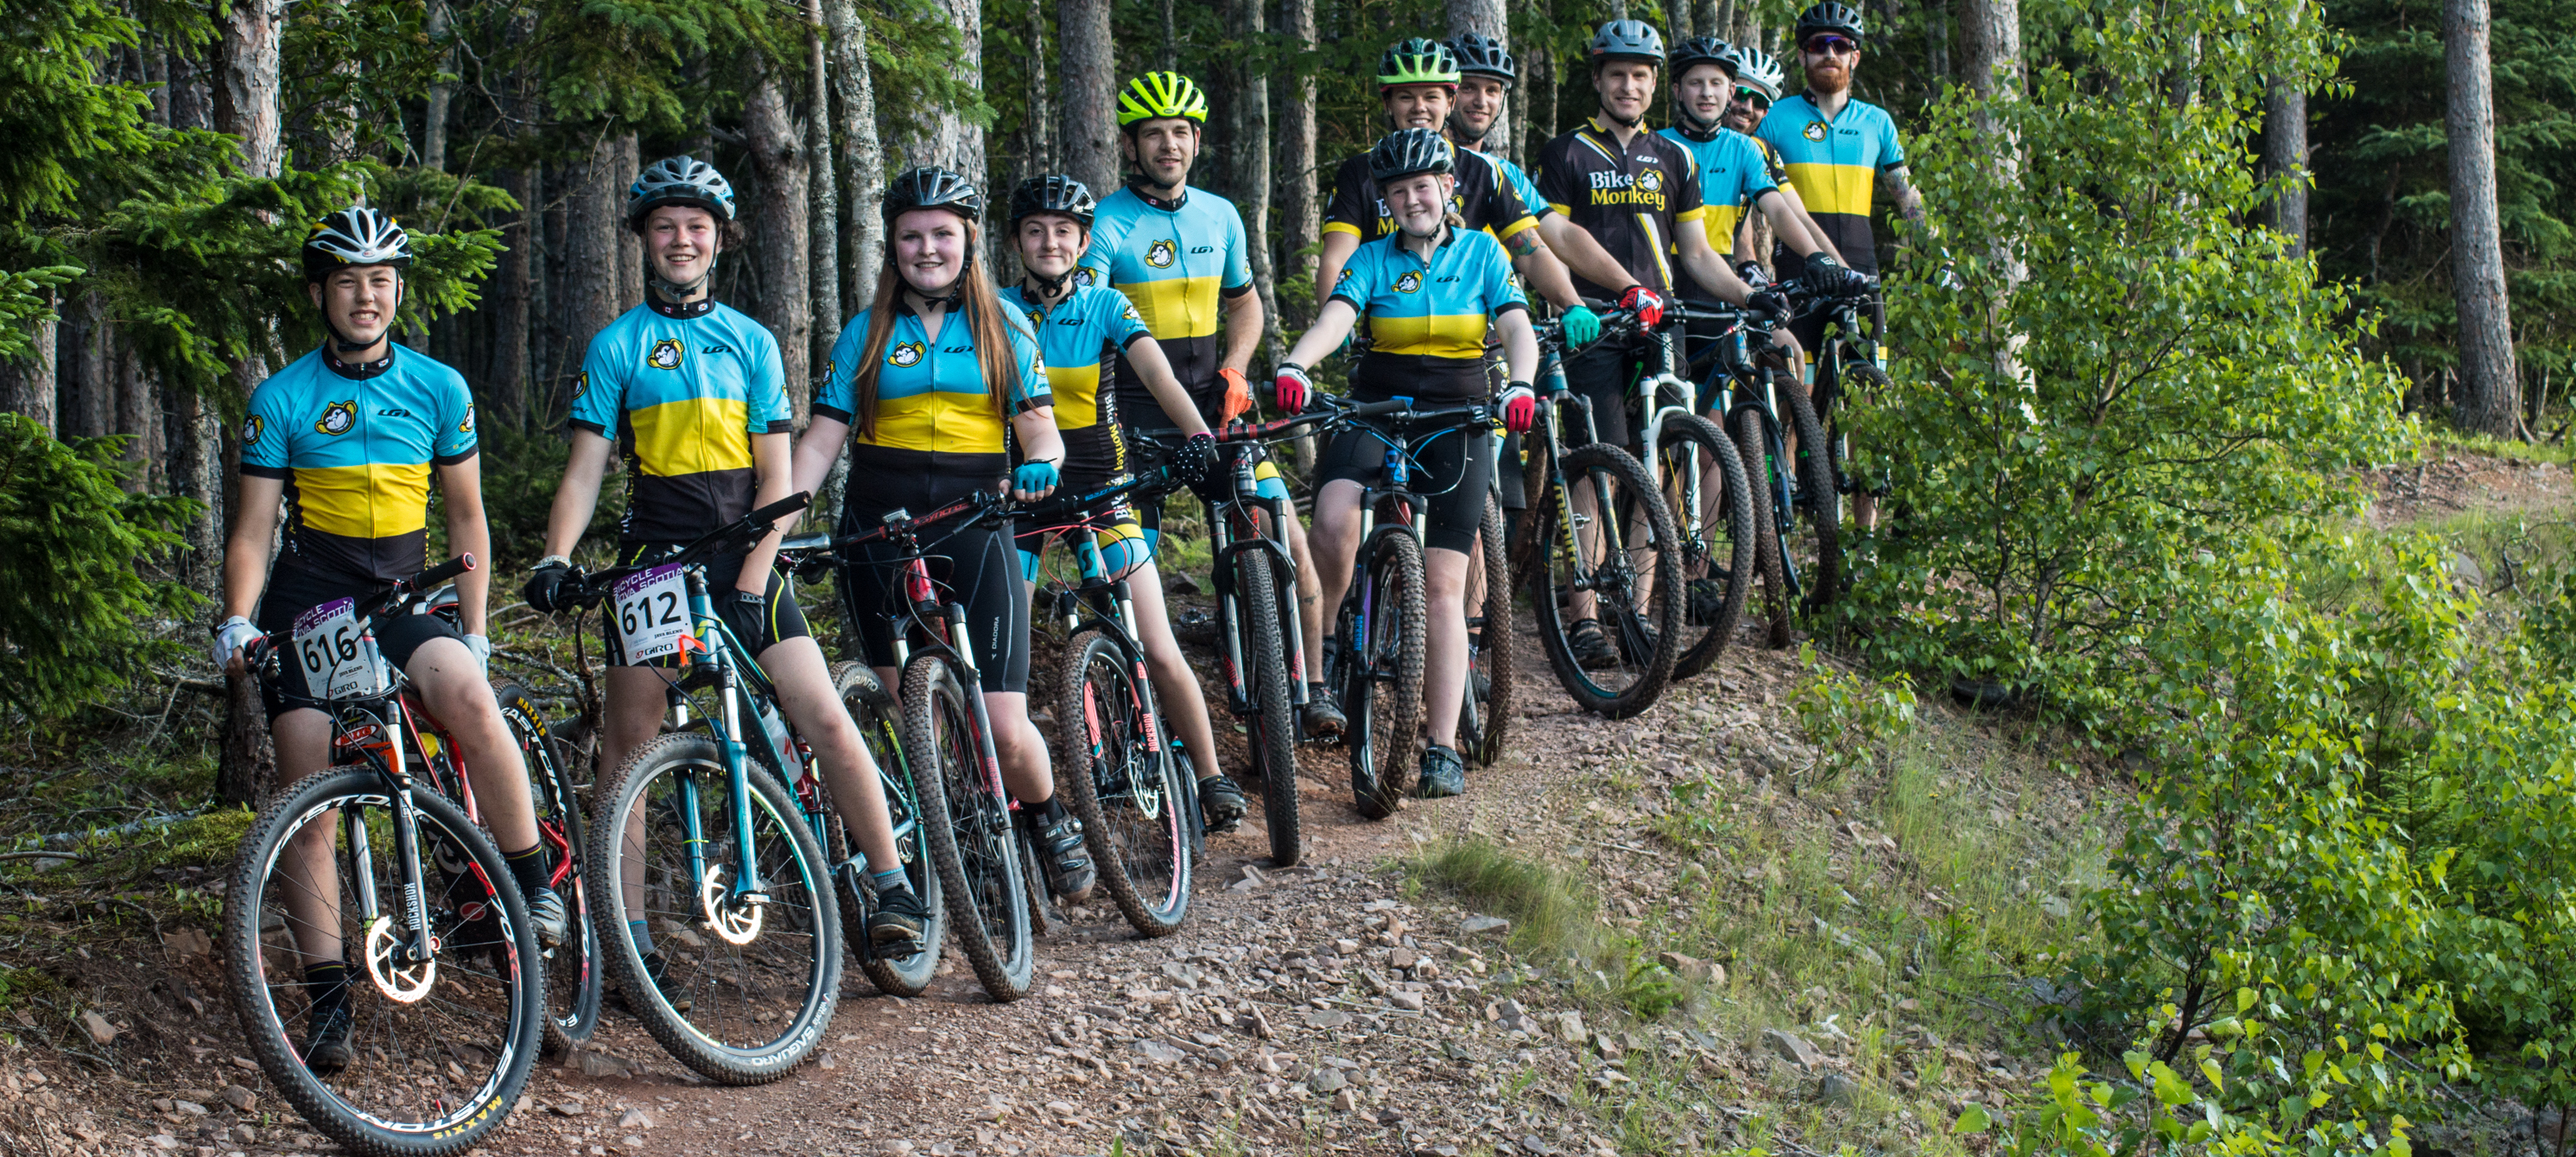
<point x="354" y="236"/>
<point x="1156" y="95"/>
<point x="1407" y="152"/>
<point x="1056" y="194"/>
<point x="1417" y="61"/>
<point x="1483" y="55"/>
<point x="930" y="188"/>
<point x="1830" y="16"/>
<point x="1756" y="69"/>
<point x="681" y="180"/>
<point x="1625" y="40"/>
<point x="1700" y="50"/>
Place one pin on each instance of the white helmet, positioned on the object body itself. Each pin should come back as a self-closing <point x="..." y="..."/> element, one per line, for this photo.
<point x="353" y="236"/>
<point x="1755" y="69"/>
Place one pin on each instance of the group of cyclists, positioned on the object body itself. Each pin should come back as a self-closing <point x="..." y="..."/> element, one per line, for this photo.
<point x="1133" y="311"/>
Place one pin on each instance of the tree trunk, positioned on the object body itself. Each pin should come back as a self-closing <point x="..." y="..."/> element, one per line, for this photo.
<point x="630" y="247"/>
<point x="1936" y="44"/>
<point x="778" y="234"/>
<point x="1168" y="57"/>
<point x="1677" y="21"/>
<point x="1540" y="66"/>
<point x="823" y="183"/>
<point x="138" y="418"/>
<point x="246" y="87"/>
<point x="505" y="375"/>
<point x="863" y="186"/>
<point x="592" y="252"/>
<point x="1489" y="18"/>
<point x="940" y="136"/>
<point x="2285" y="154"/>
<point x="1087" y="100"/>
<point x="191" y="105"/>
<point x="1709" y="17"/>
<point x="27" y="387"/>
<point x="1301" y="208"/>
<point x="1037" y="128"/>
<point x="83" y="396"/>
<point x="2491" y="394"/>
<point x="433" y="124"/>
<point x="1990" y="33"/>
<point x="196" y="469"/>
<point x="1247" y="147"/>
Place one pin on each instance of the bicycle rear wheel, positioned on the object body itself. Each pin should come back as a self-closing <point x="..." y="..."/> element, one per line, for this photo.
<point x="1634" y="589"/>
<point x="1492" y="664"/>
<point x="1819" y="500"/>
<point x="1753" y="445"/>
<point x="974" y="846"/>
<point x="439" y="1051"/>
<point x="1704" y="486"/>
<point x="1382" y="672"/>
<point x="1117" y="776"/>
<point x="746" y="986"/>
<point x="572" y="969"/>
<point x="1271" y="732"/>
<point x="879" y="718"/>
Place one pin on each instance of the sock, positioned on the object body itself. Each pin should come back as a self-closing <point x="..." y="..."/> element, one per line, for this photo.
<point x="1051" y="812"/>
<point x="530" y="869"/>
<point x="328" y="983"/>
<point x="890" y="881"/>
<point x="643" y="935"/>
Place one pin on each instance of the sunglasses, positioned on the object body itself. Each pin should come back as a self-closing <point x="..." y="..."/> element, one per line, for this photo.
<point x="1752" y="96"/>
<point x="1832" y="46"/>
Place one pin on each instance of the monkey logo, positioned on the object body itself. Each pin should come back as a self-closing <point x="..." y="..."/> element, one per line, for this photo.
<point x="905" y="356"/>
<point x="466" y="426"/>
<point x="665" y="355"/>
<point x="581" y="385"/>
<point x="251" y="426"/>
<point x="1815" y="131"/>
<point x="1086" y="277"/>
<point x="1161" y="254"/>
<point x="1408" y="283"/>
<point x="1134" y="316"/>
<point x="338" y="418"/>
<point x="1651" y="180"/>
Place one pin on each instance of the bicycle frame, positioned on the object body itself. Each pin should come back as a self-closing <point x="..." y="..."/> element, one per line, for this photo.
<point x="1232" y="529"/>
<point x="1551" y="369"/>
<point x="1106" y="601"/>
<point x="946" y="626"/>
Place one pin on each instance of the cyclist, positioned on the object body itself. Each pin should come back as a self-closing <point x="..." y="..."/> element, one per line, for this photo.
<point x="1430" y="291"/>
<point x="1638" y="193"/>
<point x="929" y="388"/>
<point x="1736" y="173"/>
<point x="1077" y="325"/>
<point x="1757" y="84"/>
<point x="1485" y="74"/>
<point x="693" y="392"/>
<point x="1179" y="253"/>
<point x="350" y="438"/>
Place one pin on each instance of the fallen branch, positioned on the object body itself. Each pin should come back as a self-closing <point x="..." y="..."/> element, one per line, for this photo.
<point x="44" y="856"/>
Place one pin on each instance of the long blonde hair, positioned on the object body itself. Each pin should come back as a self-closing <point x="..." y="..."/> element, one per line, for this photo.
<point x="986" y="321"/>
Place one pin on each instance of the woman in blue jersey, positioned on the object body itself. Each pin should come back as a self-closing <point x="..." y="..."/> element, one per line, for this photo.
<point x="931" y="388"/>
<point x="1429" y="290"/>
<point x="1081" y="330"/>
<point x="693" y="391"/>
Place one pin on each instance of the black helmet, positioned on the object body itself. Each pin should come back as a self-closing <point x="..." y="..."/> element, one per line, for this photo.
<point x="925" y="187"/>
<point x="1625" y="40"/>
<point x="351" y="237"/>
<point x="1056" y="194"/>
<point x="1406" y="152"/>
<point x="1830" y="16"/>
<point x="1484" y="55"/>
<point x="1701" y="50"/>
<point x="681" y="180"/>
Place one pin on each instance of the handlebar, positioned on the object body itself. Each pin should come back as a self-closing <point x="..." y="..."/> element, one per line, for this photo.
<point x="750" y="528"/>
<point x="401" y="593"/>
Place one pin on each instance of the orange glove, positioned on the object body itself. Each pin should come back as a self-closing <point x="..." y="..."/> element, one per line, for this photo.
<point x="1238" y="396"/>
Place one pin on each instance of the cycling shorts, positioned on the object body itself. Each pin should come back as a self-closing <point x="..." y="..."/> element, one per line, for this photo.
<point x="972" y="565"/>
<point x="293" y="591"/>
<point x="1123" y="548"/>
<point x="1599" y="375"/>
<point x="1451" y="469"/>
<point x="780" y="621"/>
<point x="1266" y="482"/>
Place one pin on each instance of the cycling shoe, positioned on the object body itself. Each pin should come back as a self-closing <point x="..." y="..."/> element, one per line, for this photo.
<point x="1222" y="803"/>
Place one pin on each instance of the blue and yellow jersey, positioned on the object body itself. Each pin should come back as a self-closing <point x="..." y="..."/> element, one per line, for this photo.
<point x="1176" y="260"/>
<point x="932" y="399"/>
<point x="354" y="446"/>
<point x="1835" y="163"/>
<point x="1081" y="338"/>
<point x="683" y="388"/>
<point x="1732" y="178"/>
<point x="1427" y="318"/>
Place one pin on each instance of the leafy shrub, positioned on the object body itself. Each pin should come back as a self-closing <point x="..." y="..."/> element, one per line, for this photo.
<point x="80" y="618"/>
<point x="1850" y="718"/>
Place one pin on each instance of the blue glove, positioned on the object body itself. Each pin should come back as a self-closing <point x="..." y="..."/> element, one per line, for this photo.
<point x="1034" y="478"/>
<point x="1582" y="326"/>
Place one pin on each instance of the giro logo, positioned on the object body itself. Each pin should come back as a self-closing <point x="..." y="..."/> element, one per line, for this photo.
<point x="905" y="356"/>
<point x="1161" y="254"/>
<point x="665" y="355"/>
<point x="338" y="418"/>
<point x="1815" y="131"/>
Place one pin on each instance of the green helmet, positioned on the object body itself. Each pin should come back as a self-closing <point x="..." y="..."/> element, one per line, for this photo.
<point x="1157" y="95"/>
<point x="1417" y="61"/>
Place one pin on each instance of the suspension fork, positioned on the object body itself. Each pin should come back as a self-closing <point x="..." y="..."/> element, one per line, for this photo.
<point x="963" y="645"/>
<point x="418" y="943"/>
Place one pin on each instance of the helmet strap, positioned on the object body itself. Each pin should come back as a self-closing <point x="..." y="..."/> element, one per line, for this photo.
<point x="1692" y="126"/>
<point x="1049" y="288"/>
<point x="342" y="343"/>
<point x="676" y="292"/>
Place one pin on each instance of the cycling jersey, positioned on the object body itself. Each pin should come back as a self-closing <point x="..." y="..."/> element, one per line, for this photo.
<point x="1522" y="186"/>
<point x="683" y="388"/>
<point x="1482" y="199"/>
<point x="1835" y="165"/>
<point x="1174" y="259"/>
<point x="1732" y="178"/>
<point x="1428" y="318"/>
<point x="934" y="408"/>
<point x="1629" y="198"/>
<point x="1075" y="337"/>
<point x="354" y="445"/>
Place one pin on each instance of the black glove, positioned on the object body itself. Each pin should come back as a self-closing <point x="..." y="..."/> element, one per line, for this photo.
<point x="1753" y="274"/>
<point x="544" y="591"/>
<point x="747" y="616"/>
<point x="1194" y="461"/>
<point x="1768" y="301"/>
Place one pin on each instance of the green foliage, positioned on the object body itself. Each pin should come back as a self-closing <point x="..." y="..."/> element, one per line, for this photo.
<point x="64" y="125"/>
<point x="23" y="304"/>
<point x="1850" y="718"/>
<point x="80" y="619"/>
<point x="2159" y="1107"/>
<point x="2181" y="382"/>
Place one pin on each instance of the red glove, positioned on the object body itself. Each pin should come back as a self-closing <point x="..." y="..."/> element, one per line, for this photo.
<point x="1290" y="390"/>
<point x="1645" y="303"/>
<point x="1238" y="396"/>
<point x="1520" y="408"/>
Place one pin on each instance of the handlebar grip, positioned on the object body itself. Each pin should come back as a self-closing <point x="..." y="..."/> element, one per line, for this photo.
<point x="771" y="513"/>
<point x="443" y="572"/>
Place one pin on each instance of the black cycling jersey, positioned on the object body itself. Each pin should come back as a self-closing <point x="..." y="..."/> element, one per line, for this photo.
<point x="1629" y="198"/>
<point x="1483" y="200"/>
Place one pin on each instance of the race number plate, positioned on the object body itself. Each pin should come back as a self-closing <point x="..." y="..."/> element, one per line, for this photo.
<point x="652" y="613"/>
<point x="338" y="654"/>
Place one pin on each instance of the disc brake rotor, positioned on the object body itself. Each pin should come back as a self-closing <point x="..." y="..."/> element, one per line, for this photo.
<point x="403" y="983"/>
<point x="734" y="923"/>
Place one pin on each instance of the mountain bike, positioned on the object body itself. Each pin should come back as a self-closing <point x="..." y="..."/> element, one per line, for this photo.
<point x="986" y="883"/>
<point x="1847" y="374"/>
<point x="717" y="902"/>
<point x="1493" y="665"/>
<point x="1751" y="382"/>
<point x="1579" y="566"/>
<point x="1129" y="780"/>
<point x="447" y="1004"/>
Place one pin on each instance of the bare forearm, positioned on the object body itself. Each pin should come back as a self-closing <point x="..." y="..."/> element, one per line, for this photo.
<point x="461" y="486"/>
<point x="578" y="497"/>
<point x="1520" y="345"/>
<point x="815" y="453"/>
<point x="246" y="552"/>
<point x="1543" y="273"/>
<point x="774" y="462"/>
<point x="1330" y="258"/>
<point x="1242" y="329"/>
<point x="1145" y="355"/>
<point x="1790" y="227"/>
<point x="1332" y="324"/>
<point x="1584" y="255"/>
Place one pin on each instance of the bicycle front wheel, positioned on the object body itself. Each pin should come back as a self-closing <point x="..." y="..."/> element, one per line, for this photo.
<point x="1818" y="498"/>
<point x="873" y="708"/>
<point x="973" y="844"/>
<point x="1613" y="573"/>
<point x="572" y="969"/>
<point x="1271" y="733"/>
<point x="1491" y="656"/>
<point x="1385" y="639"/>
<point x="435" y="1052"/>
<point x="1753" y="445"/>
<point x="1704" y="486"/>
<point x="1117" y="776"/>
<point x="738" y="984"/>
